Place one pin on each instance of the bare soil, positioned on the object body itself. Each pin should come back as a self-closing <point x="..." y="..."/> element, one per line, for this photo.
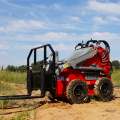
<point x="44" y="109"/>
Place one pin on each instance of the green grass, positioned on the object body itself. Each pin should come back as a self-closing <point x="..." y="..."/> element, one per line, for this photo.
<point x="4" y="87"/>
<point x="27" y="115"/>
<point x="3" y="103"/>
<point x="110" y="110"/>
<point x="22" y="116"/>
<point x="21" y="78"/>
<point x="115" y="77"/>
<point x="10" y="77"/>
<point x="13" y="77"/>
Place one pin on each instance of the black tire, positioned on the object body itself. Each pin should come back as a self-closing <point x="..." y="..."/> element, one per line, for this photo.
<point x="77" y="91"/>
<point x="103" y="89"/>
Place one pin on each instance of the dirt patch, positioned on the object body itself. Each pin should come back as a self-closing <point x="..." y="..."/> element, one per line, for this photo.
<point x="45" y="109"/>
<point x="94" y="110"/>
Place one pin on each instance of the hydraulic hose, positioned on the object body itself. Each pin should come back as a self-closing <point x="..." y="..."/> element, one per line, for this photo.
<point x="106" y="52"/>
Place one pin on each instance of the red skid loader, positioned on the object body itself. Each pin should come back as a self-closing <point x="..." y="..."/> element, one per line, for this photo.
<point x="87" y="71"/>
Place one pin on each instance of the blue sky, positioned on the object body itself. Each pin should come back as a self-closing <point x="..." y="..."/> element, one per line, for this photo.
<point x="25" y="24"/>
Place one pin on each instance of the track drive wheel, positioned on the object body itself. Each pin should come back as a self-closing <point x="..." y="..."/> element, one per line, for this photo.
<point x="103" y="89"/>
<point x="77" y="92"/>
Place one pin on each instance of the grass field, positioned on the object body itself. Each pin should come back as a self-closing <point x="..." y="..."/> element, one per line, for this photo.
<point x="20" y="78"/>
<point x="116" y="77"/>
<point x="13" y="77"/>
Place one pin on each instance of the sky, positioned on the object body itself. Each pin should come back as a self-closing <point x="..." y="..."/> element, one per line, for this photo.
<point x="25" y="24"/>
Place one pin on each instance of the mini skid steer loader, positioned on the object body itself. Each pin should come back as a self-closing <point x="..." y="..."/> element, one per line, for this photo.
<point x="87" y="71"/>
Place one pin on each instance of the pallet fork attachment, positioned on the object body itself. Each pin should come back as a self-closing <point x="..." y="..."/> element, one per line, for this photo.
<point x="42" y="79"/>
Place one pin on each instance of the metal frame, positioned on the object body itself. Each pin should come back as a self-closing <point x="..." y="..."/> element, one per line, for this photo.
<point x="28" y="96"/>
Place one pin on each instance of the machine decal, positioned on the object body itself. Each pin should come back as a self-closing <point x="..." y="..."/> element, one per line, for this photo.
<point x="65" y="65"/>
<point x="60" y="78"/>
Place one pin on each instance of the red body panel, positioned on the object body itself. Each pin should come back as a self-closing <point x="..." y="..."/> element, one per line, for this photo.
<point x="69" y="74"/>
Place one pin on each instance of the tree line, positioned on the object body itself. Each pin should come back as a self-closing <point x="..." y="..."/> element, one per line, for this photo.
<point x="116" y="64"/>
<point x="12" y="68"/>
<point x="23" y="68"/>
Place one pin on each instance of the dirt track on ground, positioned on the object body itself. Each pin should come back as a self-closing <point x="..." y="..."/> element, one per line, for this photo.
<point x="59" y="110"/>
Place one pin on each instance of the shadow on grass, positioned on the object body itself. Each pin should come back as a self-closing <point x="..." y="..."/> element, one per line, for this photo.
<point x="115" y="97"/>
<point x="41" y="103"/>
<point x="34" y="106"/>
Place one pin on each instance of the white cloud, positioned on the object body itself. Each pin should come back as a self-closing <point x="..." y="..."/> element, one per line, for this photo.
<point x="111" y="8"/>
<point x="99" y="20"/>
<point x="32" y="14"/>
<point x="102" y="36"/>
<point x="30" y="25"/>
<point x="112" y="18"/>
<point x="72" y="26"/>
<point x="23" y="25"/>
<point x="4" y="47"/>
<point x="65" y="42"/>
<point x="62" y="46"/>
<point x="2" y="53"/>
<point x="83" y="13"/>
<point x="95" y="27"/>
<point x="60" y="37"/>
<point x="74" y="18"/>
<point x="50" y="36"/>
<point x="25" y="46"/>
<point x="56" y="6"/>
<point x="53" y="36"/>
<point x="41" y="6"/>
<point x="2" y="29"/>
<point x="10" y="4"/>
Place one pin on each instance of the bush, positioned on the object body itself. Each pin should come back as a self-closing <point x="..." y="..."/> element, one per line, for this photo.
<point x="11" y="68"/>
<point x="116" y="77"/>
<point x="116" y="64"/>
<point x="22" y="68"/>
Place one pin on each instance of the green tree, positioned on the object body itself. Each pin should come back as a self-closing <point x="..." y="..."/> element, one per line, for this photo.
<point x="22" y="68"/>
<point x="37" y="68"/>
<point x="2" y="68"/>
<point x="116" y="64"/>
<point x="11" y="68"/>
